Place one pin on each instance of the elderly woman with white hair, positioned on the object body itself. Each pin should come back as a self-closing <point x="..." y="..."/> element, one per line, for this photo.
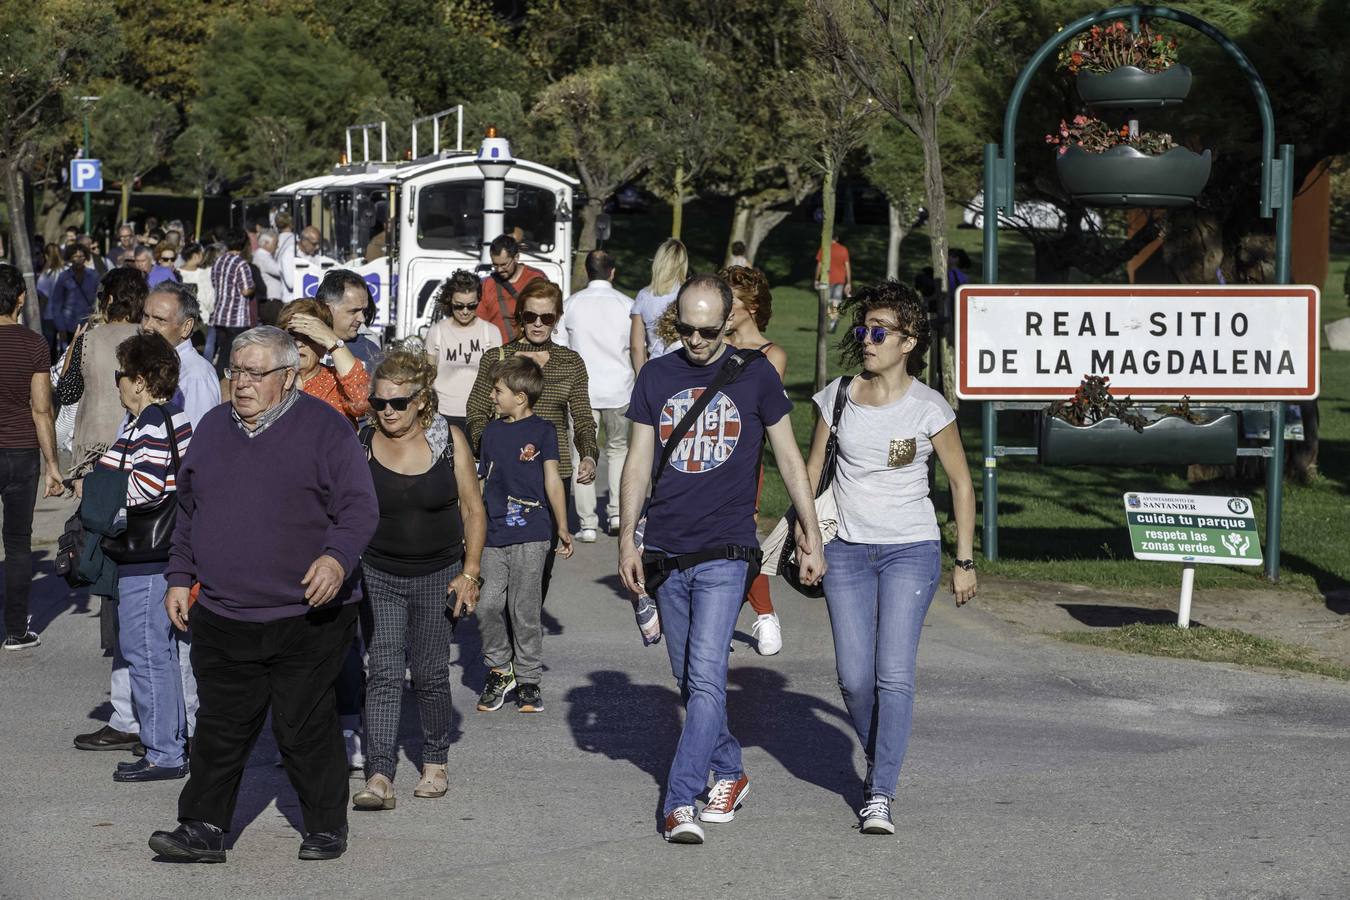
<point x="265" y="258"/>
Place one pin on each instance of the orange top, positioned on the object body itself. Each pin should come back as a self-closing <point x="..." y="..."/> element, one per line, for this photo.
<point x="349" y="396"/>
<point x="838" y="259"/>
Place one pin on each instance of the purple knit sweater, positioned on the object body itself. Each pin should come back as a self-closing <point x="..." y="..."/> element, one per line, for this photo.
<point x="255" y="512"/>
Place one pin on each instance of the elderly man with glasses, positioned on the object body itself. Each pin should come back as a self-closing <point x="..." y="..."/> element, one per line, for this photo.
<point x="276" y="506"/>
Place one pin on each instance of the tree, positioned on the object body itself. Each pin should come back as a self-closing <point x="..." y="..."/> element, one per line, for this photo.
<point x="907" y="55"/>
<point x="50" y="48"/>
<point x="591" y="114"/>
<point x="283" y="101"/>
<point x="197" y="162"/>
<point x="895" y="165"/>
<point x="131" y="131"/>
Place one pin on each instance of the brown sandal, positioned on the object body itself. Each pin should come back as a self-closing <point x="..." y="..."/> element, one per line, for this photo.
<point x="435" y="782"/>
<point x="377" y="794"/>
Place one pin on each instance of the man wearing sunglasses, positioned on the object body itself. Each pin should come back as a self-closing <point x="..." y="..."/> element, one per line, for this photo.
<point x="456" y="344"/>
<point x="508" y="278"/>
<point x="704" y="504"/>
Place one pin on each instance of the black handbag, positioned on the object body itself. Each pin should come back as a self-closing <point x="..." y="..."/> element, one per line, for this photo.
<point x="788" y="563"/>
<point x="69" y="547"/>
<point x="149" y="530"/>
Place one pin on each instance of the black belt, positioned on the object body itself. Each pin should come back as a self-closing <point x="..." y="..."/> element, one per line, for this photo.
<point x="656" y="567"/>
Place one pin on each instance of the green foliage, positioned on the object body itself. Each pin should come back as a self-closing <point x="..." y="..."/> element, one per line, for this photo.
<point x="895" y="165"/>
<point x="282" y="102"/>
<point x="131" y="131"/>
<point x="1225" y="645"/>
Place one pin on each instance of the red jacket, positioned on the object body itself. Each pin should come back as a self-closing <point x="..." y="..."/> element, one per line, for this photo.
<point x="498" y="306"/>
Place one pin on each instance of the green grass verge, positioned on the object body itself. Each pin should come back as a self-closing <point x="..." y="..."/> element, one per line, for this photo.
<point x="1225" y="645"/>
<point x="1055" y="524"/>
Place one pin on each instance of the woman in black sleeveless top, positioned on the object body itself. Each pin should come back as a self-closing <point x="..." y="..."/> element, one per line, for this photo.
<point x="426" y="549"/>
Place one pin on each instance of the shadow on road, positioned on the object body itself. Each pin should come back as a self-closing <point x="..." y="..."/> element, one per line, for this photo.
<point x="51" y="597"/>
<point x="1099" y="616"/>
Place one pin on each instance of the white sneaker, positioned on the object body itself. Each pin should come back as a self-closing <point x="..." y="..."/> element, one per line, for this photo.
<point x="356" y="759"/>
<point x="587" y="535"/>
<point x="613" y="526"/>
<point x="768" y="634"/>
<point x="682" y="827"/>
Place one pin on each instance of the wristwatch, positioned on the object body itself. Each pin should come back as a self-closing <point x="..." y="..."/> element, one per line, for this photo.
<point x="336" y="344"/>
<point x="967" y="564"/>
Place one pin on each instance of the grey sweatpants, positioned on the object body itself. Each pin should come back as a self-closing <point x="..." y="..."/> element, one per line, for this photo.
<point x="513" y="588"/>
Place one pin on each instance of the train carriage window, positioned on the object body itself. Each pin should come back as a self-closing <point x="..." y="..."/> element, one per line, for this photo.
<point x="450" y="216"/>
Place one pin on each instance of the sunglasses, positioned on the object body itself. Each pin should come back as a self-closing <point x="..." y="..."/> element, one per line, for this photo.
<point x="529" y="318"/>
<point x="473" y="305"/>
<point x="684" y="330"/>
<point x="118" y="375"/>
<point x="876" y="333"/>
<point x="379" y="404"/>
<point x="167" y="259"/>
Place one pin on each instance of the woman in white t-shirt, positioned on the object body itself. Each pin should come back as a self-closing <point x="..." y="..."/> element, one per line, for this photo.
<point x="456" y="344"/>
<point x="669" y="268"/>
<point x="885" y="563"/>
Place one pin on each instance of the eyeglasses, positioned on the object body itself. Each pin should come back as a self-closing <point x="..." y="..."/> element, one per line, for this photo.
<point x="504" y="267"/>
<point x="877" y="333"/>
<point x="118" y="375"/>
<point x="529" y="318"/>
<point x="399" y="404"/>
<point x="473" y="305"/>
<point x="168" y="259"/>
<point x="684" y="330"/>
<point x="243" y="376"/>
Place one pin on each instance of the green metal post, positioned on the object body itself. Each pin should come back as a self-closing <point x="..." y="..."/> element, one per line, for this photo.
<point x="88" y="197"/>
<point x="1284" y="224"/>
<point x="989" y="429"/>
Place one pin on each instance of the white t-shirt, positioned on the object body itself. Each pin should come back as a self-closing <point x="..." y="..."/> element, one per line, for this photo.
<point x="596" y="324"/>
<point x="881" y="479"/>
<point x="651" y="307"/>
<point x="458" y="350"/>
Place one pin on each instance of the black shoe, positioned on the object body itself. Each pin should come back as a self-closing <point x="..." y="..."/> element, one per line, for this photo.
<point x="138" y="750"/>
<point x="26" y="641"/>
<point x="143" y="770"/>
<point x="529" y="699"/>
<point x="107" y="738"/>
<point x="191" y="841"/>
<point x="495" y="690"/>
<point x="324" y="844"/>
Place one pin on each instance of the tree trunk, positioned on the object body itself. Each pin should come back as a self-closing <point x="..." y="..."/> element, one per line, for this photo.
<point x="677" y="203"/>
<point x="826" y="237"/>
<point x="20" y="244"/>
<point x="126" y="202"/>
<point x="760" y="226"/>
<point x="741" y="214"/>
<point x="201" y="206"/>
<point x="896" y="236"/>
<point x="586" y="241"/>
<point x="935" y="194"/>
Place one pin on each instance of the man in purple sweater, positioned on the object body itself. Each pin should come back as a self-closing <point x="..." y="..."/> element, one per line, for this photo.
<point x="276" y="506"/>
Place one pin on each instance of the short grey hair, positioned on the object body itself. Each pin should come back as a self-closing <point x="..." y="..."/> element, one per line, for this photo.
<point x="273" y="338"/>
<point x="188" y="307"/>
<point x="143" y="250"/>
<point x="268" y="235"/>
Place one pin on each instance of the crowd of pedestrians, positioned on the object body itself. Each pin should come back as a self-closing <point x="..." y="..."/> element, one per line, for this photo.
<point x="288" y="518"/>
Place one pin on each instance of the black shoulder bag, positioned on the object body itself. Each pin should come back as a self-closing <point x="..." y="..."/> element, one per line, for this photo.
<point x="149" y="529"/>
<point x="789" y="565"/>
<point x="658" y="566"/>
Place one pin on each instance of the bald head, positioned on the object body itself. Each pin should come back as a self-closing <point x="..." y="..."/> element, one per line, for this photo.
<point x="309" y="241"/>
<point x="702" y="307"/>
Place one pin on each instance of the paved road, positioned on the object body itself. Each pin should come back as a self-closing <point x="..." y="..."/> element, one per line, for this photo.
<point x="1036" y="770"/>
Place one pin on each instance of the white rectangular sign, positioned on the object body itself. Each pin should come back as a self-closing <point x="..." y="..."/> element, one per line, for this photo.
<point x="1193" y="528"/>
<point x="1028" y="342"/>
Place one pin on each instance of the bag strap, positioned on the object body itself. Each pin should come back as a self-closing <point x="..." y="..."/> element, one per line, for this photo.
<point x="735" y="364"/>
<point x="832" y="445"/>
<point x="169" y="432"/>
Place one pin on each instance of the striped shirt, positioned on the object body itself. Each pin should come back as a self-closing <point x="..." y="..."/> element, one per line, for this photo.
<point x="230" y="277"/>
<point x="143" y="450"/>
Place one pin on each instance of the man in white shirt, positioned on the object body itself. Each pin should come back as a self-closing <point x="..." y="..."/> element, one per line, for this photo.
<point x="266" y="261"/>
<point x="596" y="323"/>
<point x="285" y="253"/>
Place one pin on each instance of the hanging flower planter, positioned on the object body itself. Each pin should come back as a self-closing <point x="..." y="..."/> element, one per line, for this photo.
<point x="1115" y="443"/>
<point x="1123" y="176"/>
<point x="1134" y="88"/>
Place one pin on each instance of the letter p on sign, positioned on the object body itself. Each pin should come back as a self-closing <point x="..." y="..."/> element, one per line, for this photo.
<point x="86" y="175"/>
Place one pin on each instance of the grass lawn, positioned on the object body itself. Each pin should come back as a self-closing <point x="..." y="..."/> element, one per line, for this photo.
<point x="1055" y="524"/>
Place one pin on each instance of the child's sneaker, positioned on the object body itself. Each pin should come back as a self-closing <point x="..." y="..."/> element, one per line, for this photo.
<point x="725" y="796"/>
<point x="876" y="816"/>
<point x="26" y="641"/>
<point x="529" y="699"/>
<point x="682" y="827"/>
<point x="494" y="691"/>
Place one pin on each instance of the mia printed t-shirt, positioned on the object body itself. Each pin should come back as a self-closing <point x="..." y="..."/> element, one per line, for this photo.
<point x="881" y="477"/>
<point x="706" y="497"/>
<point x="511" y="464"/>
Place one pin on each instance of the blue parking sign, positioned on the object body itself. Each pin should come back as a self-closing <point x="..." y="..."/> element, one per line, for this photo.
<point x="86" y="175"/>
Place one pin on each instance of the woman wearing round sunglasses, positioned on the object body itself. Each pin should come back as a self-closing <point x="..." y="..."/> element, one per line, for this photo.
<point x="885" y="564"/>
<point x="458" y="342"/>
<point x="426" y="552"/>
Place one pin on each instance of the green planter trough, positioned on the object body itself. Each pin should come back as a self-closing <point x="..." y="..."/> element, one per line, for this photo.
<point x="1111" y="442"/>
<point x="1130" y="87"/>
<point x="1122" y="176"/>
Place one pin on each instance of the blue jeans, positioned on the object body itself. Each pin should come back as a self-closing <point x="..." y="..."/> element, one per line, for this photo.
<point x="878" y="595"/>
<point x="147" y="642"/>
<point x="698" y="608"/>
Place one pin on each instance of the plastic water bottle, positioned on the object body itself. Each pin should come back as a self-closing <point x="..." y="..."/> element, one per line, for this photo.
<point x="648" y="620"/>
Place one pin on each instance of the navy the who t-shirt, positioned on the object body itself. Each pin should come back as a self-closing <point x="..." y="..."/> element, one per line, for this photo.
<point x="511" y="460"/>
<point x="706" y="497"/>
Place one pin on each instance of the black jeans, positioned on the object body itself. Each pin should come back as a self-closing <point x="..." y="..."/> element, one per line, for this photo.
<point x="244" y="667"/>
<point x="19" y="471"/>
<point x="225" y="336"/>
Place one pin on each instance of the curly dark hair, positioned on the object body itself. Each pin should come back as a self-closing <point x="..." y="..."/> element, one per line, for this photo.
<point x="910" y="313"/>
<point x="749" y="286"/>
<point x="121" y="295"/>
<point x="151" y="357"/>
<point x="460" y="281"/>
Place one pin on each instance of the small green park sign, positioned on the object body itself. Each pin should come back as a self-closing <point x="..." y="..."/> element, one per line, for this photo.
<point x="1191" y="528"/>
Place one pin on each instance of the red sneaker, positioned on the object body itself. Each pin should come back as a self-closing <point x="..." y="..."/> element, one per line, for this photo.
<point x="681" y="828"/>
<point x="725" y="796"/>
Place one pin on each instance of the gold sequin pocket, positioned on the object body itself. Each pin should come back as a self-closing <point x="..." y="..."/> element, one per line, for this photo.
<point x="901" y="452"/>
